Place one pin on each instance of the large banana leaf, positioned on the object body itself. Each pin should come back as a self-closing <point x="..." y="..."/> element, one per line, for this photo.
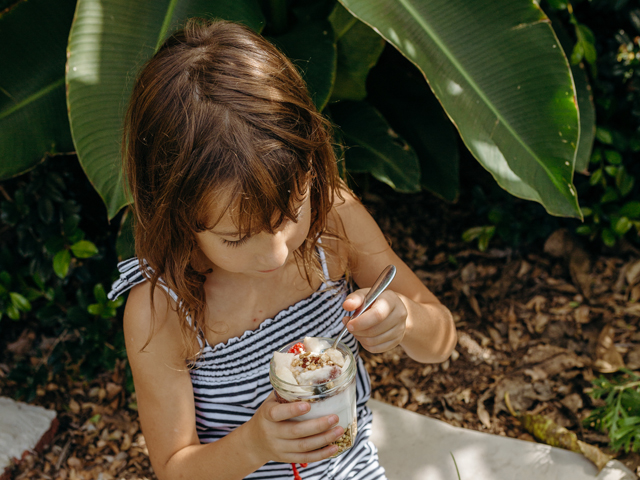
<point x="373" y="146"/>
<point x="33" y="115"/>
<point x="109" y="41"/>
<point x="312" y="48"/>
<point x="398" y="90"/>
<point x="359" y="48"/>
<point x="585" y="100"/>
<point x="498" y="70"/>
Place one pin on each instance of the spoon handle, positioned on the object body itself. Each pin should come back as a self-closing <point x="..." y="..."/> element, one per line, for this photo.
<point x="377" y="288"/>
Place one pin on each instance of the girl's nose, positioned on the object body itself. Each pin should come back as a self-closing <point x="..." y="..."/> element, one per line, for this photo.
<point x="277" y="250"/>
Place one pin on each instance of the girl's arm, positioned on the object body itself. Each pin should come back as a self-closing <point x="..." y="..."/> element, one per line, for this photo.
<point x="167" y="413"/>
<point x="407" y="313"/>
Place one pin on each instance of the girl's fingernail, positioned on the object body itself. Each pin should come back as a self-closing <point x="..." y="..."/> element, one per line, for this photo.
<point x="303" y="407"/>
<point x="333" y="419"/>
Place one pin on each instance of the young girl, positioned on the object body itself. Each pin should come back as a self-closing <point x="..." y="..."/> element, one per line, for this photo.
<point x="245" y="238"/>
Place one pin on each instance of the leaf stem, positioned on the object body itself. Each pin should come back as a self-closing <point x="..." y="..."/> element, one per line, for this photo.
<point x="627" y="385"/>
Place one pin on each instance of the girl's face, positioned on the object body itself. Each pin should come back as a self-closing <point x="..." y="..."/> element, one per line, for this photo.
<point x="260" y="254"/>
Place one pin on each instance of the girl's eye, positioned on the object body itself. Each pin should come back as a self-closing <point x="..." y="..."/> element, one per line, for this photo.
<point x="236" y="243"/>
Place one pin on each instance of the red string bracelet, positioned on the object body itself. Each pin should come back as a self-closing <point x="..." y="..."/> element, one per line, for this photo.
<point x="296" y="475"/>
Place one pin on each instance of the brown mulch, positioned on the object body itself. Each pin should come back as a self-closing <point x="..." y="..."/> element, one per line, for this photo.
<point x="538" y="323"/>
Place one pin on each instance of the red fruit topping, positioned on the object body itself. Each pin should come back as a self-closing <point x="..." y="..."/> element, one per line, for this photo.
<point x="297" y="348"/>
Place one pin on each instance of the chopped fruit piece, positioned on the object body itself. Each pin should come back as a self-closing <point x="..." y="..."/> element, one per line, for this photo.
<point x="297" y="348"/>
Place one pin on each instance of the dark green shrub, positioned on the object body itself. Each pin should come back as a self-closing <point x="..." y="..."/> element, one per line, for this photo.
<point x="57" y="256"/>
<point x="606" y="38"/>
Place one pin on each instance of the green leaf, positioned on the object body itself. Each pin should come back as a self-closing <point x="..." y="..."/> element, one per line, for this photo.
<point x="20" y="302"/>
<point x="584" y="230"/>
<point x="608" y="237"/>
<point x="613" y="157"/>
<point x="630" y="209"/>
<point x="100" y="294"/>
<point x="359" y="48"/>
<point x="622" y="226"/>
<point x="45" y="210"/>
<point x="483" y="234"/>
<point x="587" y="117"/>
<point x="577" y="54"/>
<point x="95" y="308"/>
<point x="84" y="249"/>
<point x="108" y="312"/>
<point x="312" y="48"/>
<point x="610" y="195"/>
<point x="604" y="135"/>
<point x="596" y="177"/>
<point x="398" y="90"/>
<point x="374" y="147"/>
<point x="587" y="39"/>
<point x="472" y="233"/>
<point x="61" y="263"/>
<point x="33" y="114"/>
<point x="341" y="20"/>
<point x="611" y="170"/>
<point x="13" y="313"/>
<point x="523" y="126"/>
<point x="108" y="43"/>
<point x="624" y="181"/>
<point x="557" y="4"/>
<point x="483" y="240"/>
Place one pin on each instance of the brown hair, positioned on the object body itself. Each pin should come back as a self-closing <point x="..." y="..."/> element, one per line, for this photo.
<point x="220" y="110"/>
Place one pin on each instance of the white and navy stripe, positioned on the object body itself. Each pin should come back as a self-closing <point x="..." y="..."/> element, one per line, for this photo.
<point x="231" y="379"/>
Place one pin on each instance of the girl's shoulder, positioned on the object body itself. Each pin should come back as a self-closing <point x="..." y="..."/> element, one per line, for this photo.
<point x="358" y="234"/>
<point x="152" y="328"/>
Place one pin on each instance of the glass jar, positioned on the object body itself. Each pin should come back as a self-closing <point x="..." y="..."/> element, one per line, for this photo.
<point x="337" y="396"/>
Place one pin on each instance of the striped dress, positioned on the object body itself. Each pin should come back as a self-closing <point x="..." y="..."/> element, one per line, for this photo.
<point x="231" y="379"/>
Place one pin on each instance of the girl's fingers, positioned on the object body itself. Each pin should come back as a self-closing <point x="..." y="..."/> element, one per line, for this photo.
<point x="354" y="299"/>
<point x="278" y="412"/>
<point x="315" y="442"/>
<point x="380" y="347"/>
<point x="308" y="428"/>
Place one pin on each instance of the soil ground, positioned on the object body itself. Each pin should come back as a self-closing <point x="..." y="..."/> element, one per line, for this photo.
<point x="538" y="323"/>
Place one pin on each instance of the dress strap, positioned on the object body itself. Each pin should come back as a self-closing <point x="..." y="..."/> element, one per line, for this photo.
<point x="323" y="261"/>
<point x="131" y="274"/>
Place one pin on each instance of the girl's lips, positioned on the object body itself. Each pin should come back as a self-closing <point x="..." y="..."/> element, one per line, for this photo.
<point x="268" y="271"/>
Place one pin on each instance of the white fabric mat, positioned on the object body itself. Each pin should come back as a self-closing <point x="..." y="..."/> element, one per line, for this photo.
<point x="415" y="447"/>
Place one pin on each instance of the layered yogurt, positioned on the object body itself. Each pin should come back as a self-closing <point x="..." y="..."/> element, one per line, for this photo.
<point x="311" y="371"/>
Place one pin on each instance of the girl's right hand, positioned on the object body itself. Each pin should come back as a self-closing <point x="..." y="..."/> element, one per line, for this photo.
<point x="275" y="436"/>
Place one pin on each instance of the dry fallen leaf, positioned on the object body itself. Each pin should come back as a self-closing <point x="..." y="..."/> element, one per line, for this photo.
<point x="608" y="359"/>
<point x="483" y="414"/>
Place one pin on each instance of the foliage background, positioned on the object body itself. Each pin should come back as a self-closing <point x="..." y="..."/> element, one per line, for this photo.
<point x="58" y="250"/>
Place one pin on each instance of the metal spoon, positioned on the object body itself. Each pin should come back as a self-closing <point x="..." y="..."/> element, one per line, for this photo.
<point x="377" y="288"/>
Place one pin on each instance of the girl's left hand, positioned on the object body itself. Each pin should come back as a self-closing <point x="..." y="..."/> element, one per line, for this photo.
<point x="382" y="326"/>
